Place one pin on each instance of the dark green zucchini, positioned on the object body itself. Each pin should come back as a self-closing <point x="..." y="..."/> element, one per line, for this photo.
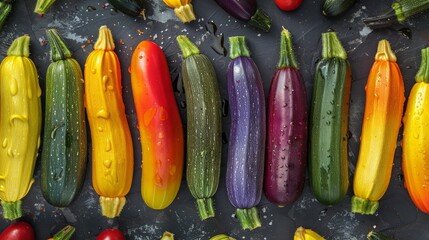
<point x="5" y="9"/>
<point x="328" y="160"/>
<point x="133" y="8"/>
<point x="332" y="8"/>
<point x="204" y="124"/>
<point x="373" y="235"/>
<point x="64" y="153"/>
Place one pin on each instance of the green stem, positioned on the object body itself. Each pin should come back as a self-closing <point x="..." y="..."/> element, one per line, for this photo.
<point x="248" y="218"/>
<point x="5" y="9"/>
<point x="331" y="46"/>
<point x="407" y="8"/>
<point x="167" y="236"/>
<point x="43" y="5"/>
<point x="59" y="50"/>
<point x="364" y="206"/>
<point x="187" y="47"/>
<point x="65" y="234"/>
<point x="238" y="47"/>
<point x="373" y="235"/>
<point x="205" y="208"/>
<point x="222" y="237"/>
<point x="11" y="210"/>
<point x="287" y="55"/>
<point x="423" y="73"/>
<point x="185" y="13"/>
<point x="20" y="47"/>
<point x="260" y="20"/>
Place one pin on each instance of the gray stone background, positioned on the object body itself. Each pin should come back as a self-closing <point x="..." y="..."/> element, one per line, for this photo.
<point x="78" y="22"/>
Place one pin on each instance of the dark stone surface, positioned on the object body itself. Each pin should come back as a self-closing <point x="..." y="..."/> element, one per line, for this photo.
<point x="78" y="22"/>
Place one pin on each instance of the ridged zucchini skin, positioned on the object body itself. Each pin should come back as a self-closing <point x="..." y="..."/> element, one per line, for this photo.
<point x="384" y="104"/>
<point x="64" y="153"/>
<point x="245" y="166"/>
<point x="373" y="235"/>
<point x="415" y="139"/>
<point x="332" y="8"/>
<point x="306" y="234"/>
<point x="112" y="147"/>
<point x="204" y="124"/>
<point x="132" y="8"/>
<point x="5" y="9"/>
<point x="42" y="6"/>
<point x="329" y="116"/>
<point x="20" y="125"/>
<point x="286" y="154"/>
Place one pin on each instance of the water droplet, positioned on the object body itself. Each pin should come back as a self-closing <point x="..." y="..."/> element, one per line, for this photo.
<point x="141" y="57"/>
<point x="93" y="71"/>
<point x="100" y="129"/>
<point x="108" y="145"/>
<point x="329" y="112"/>
<point x="4" y="144"/>
<point x="172" y="170"/>
<point x="102" y="113"/>
<point x="163" y="114"/>
<point x="13" y="87"/>
<point x="107" y="163"/>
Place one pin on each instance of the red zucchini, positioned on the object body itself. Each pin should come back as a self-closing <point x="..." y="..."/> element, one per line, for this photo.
<point x="245" y="167"/>
<point x="286" y="129"/>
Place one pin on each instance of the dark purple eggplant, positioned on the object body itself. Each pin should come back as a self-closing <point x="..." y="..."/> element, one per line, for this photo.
<point x="247" y="10"/>
<point x="245" y="167"/>
<point x="286" y="129"/>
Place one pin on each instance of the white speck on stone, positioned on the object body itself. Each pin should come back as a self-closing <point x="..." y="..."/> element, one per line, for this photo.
<point x="365" y="31"/>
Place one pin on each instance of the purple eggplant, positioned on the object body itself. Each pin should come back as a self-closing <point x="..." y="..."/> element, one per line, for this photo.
<point x="286" y="130"/>
<point x="245" y="167"/>
<point x="247" y="10"/>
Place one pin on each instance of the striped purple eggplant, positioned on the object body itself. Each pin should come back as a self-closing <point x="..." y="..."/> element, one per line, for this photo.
<point x="247" y="10"/>
<point x="286" y="129"/>
<point x="245" y="167"/>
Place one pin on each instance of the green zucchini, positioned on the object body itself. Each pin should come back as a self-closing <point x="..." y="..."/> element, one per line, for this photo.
<point x="5" y="9"/>
<point x="64" y="153"/>
<point x="333" y="8"/>
<point x="204" y="124"/>
<point x="373" y="235"/>
<point x="328" y="160"/>
<point x="132" y="8"/>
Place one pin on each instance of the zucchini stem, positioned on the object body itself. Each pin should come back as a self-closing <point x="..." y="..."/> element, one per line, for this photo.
<point x="364" y="206"/>
<point x="423" y="73"/>
<point x="238" y="47"/>
<point x="43" y="5"/>
<point x="331" y="46"/>
<point x="185" y="13"/>
<point x="248" y="218"/>
<point x="188" y="48"/>
<point x="167" y="236"/>
<point x="11" y="210"/>
<point x="384" y="52"/>
<point x="105" y="40"/>
<point x="5" y="9"/>
<point x="112" y="207"/>
<point x="205" y="208"/>
<point x="65" y="234"/>
<point x="260" y="20"/>
<point x="287" y="56"/>
<point x="59" y="50"/>
<point x="20" y="47"/>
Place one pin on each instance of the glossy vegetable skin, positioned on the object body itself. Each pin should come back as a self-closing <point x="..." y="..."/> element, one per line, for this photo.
<point x="64" y="144"/>
<point x="381" y="122"/>
<point x="288" y="5"/>
<point x="5" y="9"/>
<point x="415" y="141"/>
<point x="306" y="234"/>
<point x="328" y="161"/>
<point x="245" y="166"/>
<point x="17" y="231"/>
<point x="20" y="125"/>
<point x="286" y="154"/>
<point x="134" y="8"/>
<point x="247" y="10"/>
<point x="333" y="8"/>
<point x="112" y="148"/>
<point x="160" y="126"/>
<point x="42" y="6"/>
<point x="111" y="234"/>
<point x="183" y="9"/>
<point x="222" y="237"/>
<point x="204" y="124"/>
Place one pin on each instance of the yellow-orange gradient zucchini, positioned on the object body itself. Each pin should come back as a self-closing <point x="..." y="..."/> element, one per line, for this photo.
<point x="160" y="126"/>
<point x="382" y="120"/>
<point x="112" y="148"/>
<point x="20" y="125"/>
<point x="415" y="143"/>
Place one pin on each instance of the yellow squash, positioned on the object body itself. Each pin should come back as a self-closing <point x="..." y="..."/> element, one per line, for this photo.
<point x="112" y="148"/>
<point x="415" y="142"/>
<point x="20" y="125"/>
<point x="382" y="120"/>
<point x="306" y="234"/>
<point x="182" y="8"/>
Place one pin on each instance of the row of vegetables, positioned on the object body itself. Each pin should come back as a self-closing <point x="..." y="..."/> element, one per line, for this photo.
<point x="248" y="11"/>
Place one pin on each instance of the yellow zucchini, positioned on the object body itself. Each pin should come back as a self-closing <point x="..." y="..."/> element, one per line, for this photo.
<point x="20" y="125"/>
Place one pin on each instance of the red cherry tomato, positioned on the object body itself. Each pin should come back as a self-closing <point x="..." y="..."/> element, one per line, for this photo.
<point x="111" y="234"/>
<point x="18" y="231"/>
<point x="288" y="5"/>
